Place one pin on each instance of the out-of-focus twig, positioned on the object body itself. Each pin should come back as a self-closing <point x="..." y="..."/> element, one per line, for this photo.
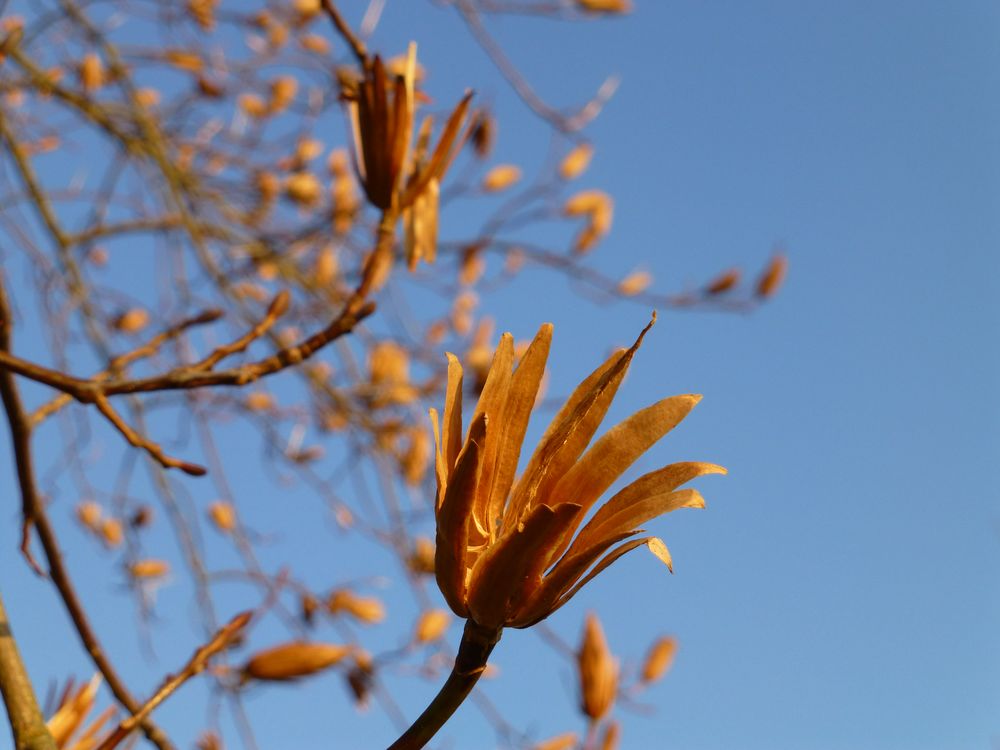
<point x="195" y="666"/>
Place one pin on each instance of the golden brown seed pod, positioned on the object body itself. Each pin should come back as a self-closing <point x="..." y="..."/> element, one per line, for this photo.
<point x="252" y="105"/>
<point x="307" y="149"/>
<point x="473" y="265"/>
<point x="723" y="282"/>
<point x="659" y="659"/>
<point x="773" y="276"/>
<point x="564" y="741"/>
<point x="131" y="321"/>
<point x="91" y="72"/>
<point x="283" y="91"/>
<point x="598" y="207"/>
<point x="421" y="559"/>
<point x="366" y="609"/>
<point x="147" y="97"/>
<point x="303" y="188"/>
<point x="326" y="266"/>
<point x="501" y="177"/>
<point x="149" y="568"/>
<point x="184" y="60"/>
<point x="268" y="184"/>
<point x="223" y="515"/>
<point x="290" y="661"/>
<point x="605" y="6"/>
<point x="417" y="457"/>
<point x="258" y="401"/>
<point x="208" y="740"/>
<point x="388" y="363"/>
<point x="314" y="43"/>
<point x="431" y="625"/>
<point x="635" y="283"/>
<point x="576" y="161"/>
<point x="111" y="532"/>
<point x="307" y="8"/>
<point x="612" y="736"/>
<point x="203" y="12"/>
<point x="598" y="672"/>
<point x="88" y="513"/>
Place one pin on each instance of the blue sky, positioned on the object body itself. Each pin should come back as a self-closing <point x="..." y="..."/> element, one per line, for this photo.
<point x="840" y="591"/>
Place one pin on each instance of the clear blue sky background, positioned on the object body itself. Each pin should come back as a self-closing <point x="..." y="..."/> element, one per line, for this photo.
<point x="840" y="592"/>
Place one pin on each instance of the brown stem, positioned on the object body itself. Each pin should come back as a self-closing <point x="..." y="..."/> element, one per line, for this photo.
<point x="473" y="652"/>
<point x="33" y="511"/>
<point x="26" y="721"/>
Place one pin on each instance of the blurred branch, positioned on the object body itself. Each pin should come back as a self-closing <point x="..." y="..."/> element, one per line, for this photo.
<point x="33" y="514"/>
<point x="195" y="666"/>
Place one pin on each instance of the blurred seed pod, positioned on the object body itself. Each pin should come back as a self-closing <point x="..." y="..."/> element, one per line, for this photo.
<point x="360" y="679"/>
<point x="147" y="97"/>
<point x="308" y="606"/>
<point x="635" y="283"/>
<point x="612" y="736"/>
<point x="277" y="35"/>
<point x="431" y="625"/>
<point x="290" y="661"/>
<point x="576" y="161"/>
<point x="184" y="60"/>
<point x="252" y="105"/>
<point x="605" y="6"/>
<point x="773" y="276"/>
<point x="203" y="12"/>
<point x="307" y="149"/>
<point x="91" y="72"/>
<point x="421" y="559"/>
<point x="326" y="267"/>
<point x="483" y="133"/>
<point x="88" y="513"/>
<point x="388" y="363"/>
<point x="98" y="256"/>
<point x="303" y="188"/>
<point x="111" y="532"/>
<point x="472" y="265"/>
<point x="598" y="207"/>
<point x="565" y="741"/>
<point x="131" y="321"/>
<point x="314" y="43"/>
<point x="723" y="282"/>
<point x="259" y="401"/>
<point x="417" y="456"/>
<point x="149" y="568"/>
<point x="366" y="609"/>
<point x="142" y="517"/>
<point x="208" y="740"/>
<point x="307" y="8"/>
<point x="267" y="270"/>
<point x="598" y="671"/>
<point x="212" y="89"/>
<point x="268" y="184"/>
<point x="501" y="177"/>
<point x="223" y="515"/>
<point x="659" y="659"/>
<point x="420" y="222"/>
<point x="462" y="310"/>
